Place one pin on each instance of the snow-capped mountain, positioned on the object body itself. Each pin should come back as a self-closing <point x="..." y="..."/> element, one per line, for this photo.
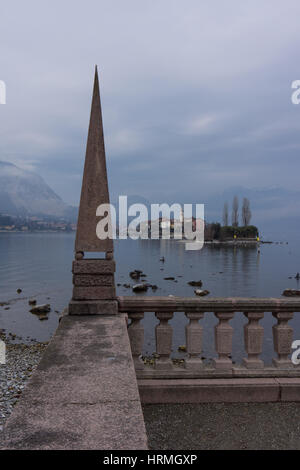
<point x="25" y="193"/>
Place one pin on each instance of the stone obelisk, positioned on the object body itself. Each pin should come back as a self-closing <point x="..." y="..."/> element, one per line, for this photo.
<point x="93" y="279"/>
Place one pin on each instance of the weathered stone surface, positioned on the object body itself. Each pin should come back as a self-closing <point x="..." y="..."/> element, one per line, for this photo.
<point x="136" y="337"/>
<point x="94" y="189"/>
<point x="290" y="389"/>
<point x="253" y="336"/>
<point x="93" y="266"/>
<point x="163" y="337"/>
<point x="223" y="340"/>
<point x="93" y="307"/>
<point x="77" y="426"/>
<point x="93" y="293"/>
<point x="194" y="334"/>
<point x="216" y="304"/>
<point x="208" y="390"/>
<point x="283" y="337"/>
<point x="93" y="280"/>
<point x="84" y="394"/>
<point x="208" y="371"/>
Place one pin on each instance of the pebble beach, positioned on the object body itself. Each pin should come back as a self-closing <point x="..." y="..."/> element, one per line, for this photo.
<point x="21" y="361"/>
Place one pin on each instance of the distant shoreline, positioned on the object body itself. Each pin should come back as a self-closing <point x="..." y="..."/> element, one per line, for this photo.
<point x="37" y="231"/>
<point x="229" y="242"/>
<point x="234" y="242"/>
<point x="207" y="242"/>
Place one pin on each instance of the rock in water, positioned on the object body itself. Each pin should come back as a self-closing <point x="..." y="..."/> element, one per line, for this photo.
<point x="200" y="292"/>
<point x="140" y="288"/>
<point x="32" y="302"/>
<point x="170" y="278"/>
<point x="43" y="317"/>
<point x="195" y="283"/>
<point x="40" y="309"/>
<point x="135" y="274"/>
<point x="291" y="293"/>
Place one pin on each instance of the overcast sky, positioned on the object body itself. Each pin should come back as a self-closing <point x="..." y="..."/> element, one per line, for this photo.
<point x="196" y="94"/>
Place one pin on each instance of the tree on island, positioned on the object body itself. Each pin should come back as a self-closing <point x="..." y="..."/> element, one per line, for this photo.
<point x="246" y="212"/>
<point x="235" y="212"/>
<point x="229" y="232"/>
<point x="225" y="214"/>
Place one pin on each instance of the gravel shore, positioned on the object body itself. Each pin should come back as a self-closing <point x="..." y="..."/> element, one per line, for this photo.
<point x="21" y="360"/>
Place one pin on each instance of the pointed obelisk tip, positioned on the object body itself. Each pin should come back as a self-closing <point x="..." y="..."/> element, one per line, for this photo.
<point x="96" y="79"/>
<point x="94" y="190"/>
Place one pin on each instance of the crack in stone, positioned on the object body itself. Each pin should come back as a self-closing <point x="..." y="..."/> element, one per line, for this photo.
<point x="101" y="402"/>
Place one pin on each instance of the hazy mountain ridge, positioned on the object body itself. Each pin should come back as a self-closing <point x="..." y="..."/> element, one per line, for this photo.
<point x="24" y="193"/>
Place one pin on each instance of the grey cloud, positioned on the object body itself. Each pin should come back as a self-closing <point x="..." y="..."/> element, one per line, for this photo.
<point x="195" y="95"/>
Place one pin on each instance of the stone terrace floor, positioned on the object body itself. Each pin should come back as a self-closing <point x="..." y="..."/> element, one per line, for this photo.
<point x="213" y="426"/>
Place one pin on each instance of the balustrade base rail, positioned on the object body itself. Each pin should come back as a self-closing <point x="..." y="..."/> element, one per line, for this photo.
<point x="233" y="390"/>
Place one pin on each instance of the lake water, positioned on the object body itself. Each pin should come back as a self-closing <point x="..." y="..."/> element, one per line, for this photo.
<point x="40" y="265"/>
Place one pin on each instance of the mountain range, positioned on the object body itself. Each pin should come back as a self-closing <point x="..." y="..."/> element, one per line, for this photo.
<point x="24" y="193"/>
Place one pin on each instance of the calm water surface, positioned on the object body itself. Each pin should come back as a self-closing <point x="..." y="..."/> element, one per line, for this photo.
<point x="40" y="264"/>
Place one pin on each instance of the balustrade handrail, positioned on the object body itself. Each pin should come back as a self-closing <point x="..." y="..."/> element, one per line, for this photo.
<point x="212" y="304"/>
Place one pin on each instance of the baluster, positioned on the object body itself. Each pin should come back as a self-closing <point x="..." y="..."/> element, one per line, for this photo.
<point x="223" y="340"/>
<point x="282" y="338"/>
<point x="163" y="335"/>
<point x="194" y="333"/>
<point x="253" y="336"/>
<point x="136" y="337"/>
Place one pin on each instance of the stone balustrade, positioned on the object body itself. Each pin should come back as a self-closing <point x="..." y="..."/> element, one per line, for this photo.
<point x="224" y="309"/>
